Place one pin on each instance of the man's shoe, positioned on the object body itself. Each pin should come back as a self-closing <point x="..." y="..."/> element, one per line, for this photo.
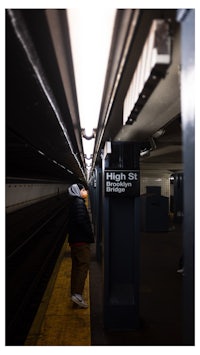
<point x="79" y="300"/>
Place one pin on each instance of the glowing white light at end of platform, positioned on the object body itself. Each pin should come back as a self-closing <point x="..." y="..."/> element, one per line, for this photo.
<point x="90" y="32"/>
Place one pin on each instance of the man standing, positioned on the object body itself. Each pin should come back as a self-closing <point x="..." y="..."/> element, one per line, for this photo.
<point x="80" y="237"/>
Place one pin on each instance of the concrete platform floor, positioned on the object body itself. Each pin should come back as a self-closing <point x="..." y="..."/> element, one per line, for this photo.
<point x="59" y="322"/>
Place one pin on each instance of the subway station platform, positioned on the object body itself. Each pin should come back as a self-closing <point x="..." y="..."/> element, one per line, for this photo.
<point x="145" y="136"/>
<point x="59" y="322"/>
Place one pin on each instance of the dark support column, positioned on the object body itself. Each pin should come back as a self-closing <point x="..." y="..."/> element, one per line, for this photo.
<point x="98" y="212"/>
<point x="178" y="197"/>
<point x="187" y="20"/>
<point x="96" y="201"/>
<point x="121" y="230"/>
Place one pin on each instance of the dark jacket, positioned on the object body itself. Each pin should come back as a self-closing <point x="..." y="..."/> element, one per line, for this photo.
<point x="80" y="229"/>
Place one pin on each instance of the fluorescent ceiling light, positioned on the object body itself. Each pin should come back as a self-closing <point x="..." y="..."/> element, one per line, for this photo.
<point x="90" y="32"/>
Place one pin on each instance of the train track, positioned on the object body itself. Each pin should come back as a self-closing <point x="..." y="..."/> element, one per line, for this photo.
<point x="34" y="237"/>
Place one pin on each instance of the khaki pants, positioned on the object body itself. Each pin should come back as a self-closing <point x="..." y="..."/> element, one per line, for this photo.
<point x="80" y="255"/>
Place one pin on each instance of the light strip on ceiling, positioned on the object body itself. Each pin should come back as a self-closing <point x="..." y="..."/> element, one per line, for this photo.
<point x="90" y="32"/>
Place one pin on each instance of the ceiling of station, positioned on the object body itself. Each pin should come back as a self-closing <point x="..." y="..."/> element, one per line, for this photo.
<point x="162" y="111"/>
<point x="42" y="122"/>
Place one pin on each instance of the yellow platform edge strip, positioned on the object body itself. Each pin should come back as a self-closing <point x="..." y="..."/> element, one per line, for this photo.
<point x="58" y="321"/>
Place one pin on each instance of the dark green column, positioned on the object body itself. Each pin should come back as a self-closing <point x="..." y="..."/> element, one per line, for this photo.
<point x="187" y="22"/>
<point x="178" y="197"/>
<point x="96" y="201"/>
<point x="121" y="234"/>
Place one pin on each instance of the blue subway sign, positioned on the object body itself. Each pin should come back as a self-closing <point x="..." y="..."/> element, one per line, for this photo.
<point x="122" y="182"/>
